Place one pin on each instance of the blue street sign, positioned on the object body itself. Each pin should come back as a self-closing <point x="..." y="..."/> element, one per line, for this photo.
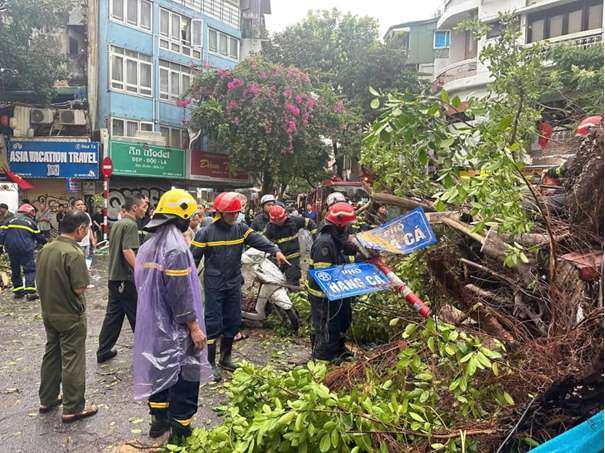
<point x="50" y="159"/>
<point x="406" y="234"/>
<point x="350" y="280"/>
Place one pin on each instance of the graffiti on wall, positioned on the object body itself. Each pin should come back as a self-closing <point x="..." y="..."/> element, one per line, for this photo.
<point x="118" y="195"/>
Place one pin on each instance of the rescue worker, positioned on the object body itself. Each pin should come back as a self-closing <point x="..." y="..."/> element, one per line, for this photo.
<point x="262" y="218"/>
<point x="221" y="244"/>
<point x="283" y="231"/>
<point x="331" y="319"/>
<point x="169" y="339"/>
<point x="19" y="237"/>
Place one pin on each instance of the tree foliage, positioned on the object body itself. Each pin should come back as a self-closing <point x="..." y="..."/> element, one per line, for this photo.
<point x="27" y="63"/>
<point x="272" y="120"/>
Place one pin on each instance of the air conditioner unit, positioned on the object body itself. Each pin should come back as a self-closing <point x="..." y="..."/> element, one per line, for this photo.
<point x="41" y="116"/>
<point x="72" y="117"/>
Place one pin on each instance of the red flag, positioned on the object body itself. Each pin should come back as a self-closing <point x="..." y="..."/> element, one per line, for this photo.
<point x="22" y="183"/>
<point x="545" y="130"/>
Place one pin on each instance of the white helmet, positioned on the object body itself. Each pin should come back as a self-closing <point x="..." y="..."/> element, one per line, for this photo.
<point x="335" y="197"/>
<point x="266" y="199"/>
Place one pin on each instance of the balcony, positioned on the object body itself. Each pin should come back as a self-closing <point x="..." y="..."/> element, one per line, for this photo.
<point x="458" y="70"/>
<point x="455" y="11"/>
<point x="583" y="39"/>
<point x="227" y="11"/>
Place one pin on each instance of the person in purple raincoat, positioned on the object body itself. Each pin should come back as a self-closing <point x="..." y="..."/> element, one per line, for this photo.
<point x="170" y="355"/>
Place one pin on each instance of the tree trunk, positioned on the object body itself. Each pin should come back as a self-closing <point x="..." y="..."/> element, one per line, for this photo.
<point x="267" y="181"/>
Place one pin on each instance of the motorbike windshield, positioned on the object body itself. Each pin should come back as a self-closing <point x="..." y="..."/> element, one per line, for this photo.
<point x="169" y="296"/>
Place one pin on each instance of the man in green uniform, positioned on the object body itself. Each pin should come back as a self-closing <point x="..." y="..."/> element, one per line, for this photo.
<point x="123" y="244"/>
<point x="61" y="280"/>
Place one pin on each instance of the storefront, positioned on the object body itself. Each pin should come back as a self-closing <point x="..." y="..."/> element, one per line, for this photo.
<point x="56" y="167"/>
<point x="146" y="169"/>
<point x="212" y="170"/>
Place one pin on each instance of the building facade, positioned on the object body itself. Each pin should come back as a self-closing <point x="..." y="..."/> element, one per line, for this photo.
<point x="420" y="40"/>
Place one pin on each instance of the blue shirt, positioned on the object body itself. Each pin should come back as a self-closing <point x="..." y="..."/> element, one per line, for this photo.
<point x="310" y="215"/>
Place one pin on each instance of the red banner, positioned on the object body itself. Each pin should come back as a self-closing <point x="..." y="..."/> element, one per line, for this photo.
<point x="212" y="165"/>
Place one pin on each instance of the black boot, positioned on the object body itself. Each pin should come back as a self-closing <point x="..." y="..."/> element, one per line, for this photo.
<point x="179" y="433"/>
<point x="212" y="361"/>
<point x="344" y="353"/>
<point x="159" y="423"/>
<point x="225" y="359"/>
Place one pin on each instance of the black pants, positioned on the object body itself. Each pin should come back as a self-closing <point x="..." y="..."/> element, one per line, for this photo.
<point x="122" y="301"/>
<point x="25" y="260"/>
<point x="331" y="320"/>
<point x="223" y="312"/>
<point x="177" y="403"/>
<point x="292" y="273"/>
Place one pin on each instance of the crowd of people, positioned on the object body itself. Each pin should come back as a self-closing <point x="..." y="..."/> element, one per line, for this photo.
<point x="155" y="259"/>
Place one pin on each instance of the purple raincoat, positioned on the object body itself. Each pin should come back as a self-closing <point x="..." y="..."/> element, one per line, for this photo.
<point x="169" y="297"/>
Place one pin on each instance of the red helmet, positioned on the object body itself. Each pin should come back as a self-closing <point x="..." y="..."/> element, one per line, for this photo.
<point x="277" y="214"/>
<point x="27" y="208"/>
<point x="229" y="202"/>
<point x="217" y="200"/>
<point x="341" y="214"/>
<point x="583" y="127"/>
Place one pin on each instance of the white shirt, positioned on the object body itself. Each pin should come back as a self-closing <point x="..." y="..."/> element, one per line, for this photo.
<point x="86" y="241"/>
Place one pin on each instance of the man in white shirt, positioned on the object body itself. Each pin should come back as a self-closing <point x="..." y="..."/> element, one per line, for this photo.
<point x="90" y="237"/>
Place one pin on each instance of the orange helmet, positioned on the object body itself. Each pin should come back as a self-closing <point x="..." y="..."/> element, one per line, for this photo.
<point x="585" y="125"/>
<point x="277" y="214"/>
<point x="28" y="209"/>
<point x="229" y="202"/>
<point x="340" y="214"/>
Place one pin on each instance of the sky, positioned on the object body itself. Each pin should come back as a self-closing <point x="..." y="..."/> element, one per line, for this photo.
<point x="388" y="12"/>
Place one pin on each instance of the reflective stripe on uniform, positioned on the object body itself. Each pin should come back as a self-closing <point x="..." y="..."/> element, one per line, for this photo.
<point x="321" y="265"/>
<point x="247" y="233"/>
<point x="30" y="288"/>
<point x="23" y="227"/>
<point x="143" y="232"/>
<point x="314" y="292"/>
<point x="19" y="288"/>
<point x="293" y="255"/>
<point x="351" y="259"/>
<point x="183" y="422"/>
<point x="154" y="266"/>
<point x="289" y="238"/>
<point x="306" y="221"/>
<point x="199" y="244"/>
<point x="158" y="405"/>
<point x="178" y="273"/>
<point x="314" y="231"/>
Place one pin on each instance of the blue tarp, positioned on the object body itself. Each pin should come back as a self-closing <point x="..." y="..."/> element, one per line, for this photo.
<point x="584" y="438"/>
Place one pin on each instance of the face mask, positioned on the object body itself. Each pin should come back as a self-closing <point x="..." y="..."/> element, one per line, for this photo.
<point x="182" y="224"/>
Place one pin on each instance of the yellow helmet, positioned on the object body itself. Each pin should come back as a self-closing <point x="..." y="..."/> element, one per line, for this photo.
<point x="174" y="203"/>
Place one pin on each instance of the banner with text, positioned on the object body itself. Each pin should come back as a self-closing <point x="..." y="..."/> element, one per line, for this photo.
<point x="54" y="159"/>
<point x="213" y="166"/>
<point x="340" y="282"/>
<point x="137" y="159"/>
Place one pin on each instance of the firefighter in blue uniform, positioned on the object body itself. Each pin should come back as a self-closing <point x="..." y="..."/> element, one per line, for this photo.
<point x="221" y="244"/>
<point x="283" y="231"/>
<point x="19" y="236"/>
<point x="331" y="319"/>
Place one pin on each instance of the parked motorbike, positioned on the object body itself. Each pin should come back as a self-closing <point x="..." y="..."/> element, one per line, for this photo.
<point x="272" y="293"/>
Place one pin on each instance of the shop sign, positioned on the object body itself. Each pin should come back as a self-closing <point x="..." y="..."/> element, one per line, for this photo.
<point x="213" y="166"/>
<point x="137" y="159"/>
<point x="74" y="185"/>
<point x="50" y="159"/>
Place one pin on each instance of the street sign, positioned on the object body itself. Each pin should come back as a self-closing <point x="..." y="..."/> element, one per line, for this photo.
<point x="350" y="280"/>
<point x="405" y="234"/>
<point x="107" y="167"/>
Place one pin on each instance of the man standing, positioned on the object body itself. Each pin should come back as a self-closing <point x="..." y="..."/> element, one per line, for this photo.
<point x="43" y="219"/>
<point x="221" y="245"/>
<point x="169" y="361"/>
<point x="60" y="216"/>
<point x="90" y="238"/>
<point x="5" y="214"/>
<point x="123" y="244"/>
<point x="142" y="221"/>
<point x="283" y="231"/>
<point x="62" y="280"/>
<point x="262" y="218"/>
<point x="19" y="236"/>
<point x="310" y="213"/>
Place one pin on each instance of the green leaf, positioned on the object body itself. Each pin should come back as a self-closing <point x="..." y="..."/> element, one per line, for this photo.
<point x="505" y="122"/>
<point x="532" y="443"/>
<point x="433" y="109"/>
<point x="495" y="368"/>
<point x="456" y="101"/>
<point x="325" y="443"/>
<point x="447" y="143"/>
<point x="437" y="447"/>
<point x="423" y="157"/>
<point x="385" y="136"/>
<point x="373" y="91"/>
<point x="523" y="257"/>
<point x="355" y="450"/>
<point x="444" y="96"/>
<point x="335" y="438"/>
<point x="509" y="399"/>
<point x="431" y="343"/>
<point x="394" y="322"/>
<point x="409" y="330"/>
<point x="417" y="417"/>
<point x="136" y="431"/>
<point x="375" y="103"/>
<point x="467" y="357"/>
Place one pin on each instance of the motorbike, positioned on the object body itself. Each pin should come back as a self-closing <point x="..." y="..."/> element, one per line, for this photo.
<point x="272" y="293"/>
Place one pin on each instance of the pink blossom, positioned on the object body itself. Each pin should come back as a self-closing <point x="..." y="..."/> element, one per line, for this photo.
<point x="299" y="99"/>
<point x="267" y="126"/>
<point x="287" y="93"/>
<point x="305" y="122"/>
<point x="310" y="103"/>
<point x="263" y="75"/>
<point x="344" y="127"/>
<point x="235" y="83"/>
<point x="275" y="72"/>
<point x="339" y="107"/>
<point x="253" y="67"/>
<point x="295" y="110"/>
<point x="231" y="106"/>
<point x="291" y="126"/>
<point x="253" y="88"/>
<point x="307" y="116"/>
<point x="220" y="71"/>
<point x="184" y="103"/>
<point x="183" y="121"/>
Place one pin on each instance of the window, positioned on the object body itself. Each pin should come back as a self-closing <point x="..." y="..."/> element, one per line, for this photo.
<point x="128" y="128"/>
<point x="180" y="34"/>
<point x="175" y="137"/>
<point x="573" y="17"/>
<point x="175" y="80"/>
<point x="130" y="71"/>
<point x="73" y="46"/>
<point x="441" y="39"/>
<point x="222" y="44"/>
<point x="135" y="13"/>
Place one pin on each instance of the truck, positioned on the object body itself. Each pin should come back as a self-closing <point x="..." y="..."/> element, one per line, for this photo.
<point x="353" y="190"/>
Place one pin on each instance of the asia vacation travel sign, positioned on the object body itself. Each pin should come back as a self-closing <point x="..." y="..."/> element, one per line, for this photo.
<point x="137" y="159"/>
<point x="405" y="234"/>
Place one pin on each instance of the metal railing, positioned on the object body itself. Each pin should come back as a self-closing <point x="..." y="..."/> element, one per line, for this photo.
<point x="222" y="10"/>
<point x="454" y="72"/>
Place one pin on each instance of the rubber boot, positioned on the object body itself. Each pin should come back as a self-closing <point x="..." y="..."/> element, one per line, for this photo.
<point x="212" y="360"/>
<point x="159" y="423"/>
<point x="178" y="433"/>
<point x="344" y="353"/>
<point x="225" y="359"/>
